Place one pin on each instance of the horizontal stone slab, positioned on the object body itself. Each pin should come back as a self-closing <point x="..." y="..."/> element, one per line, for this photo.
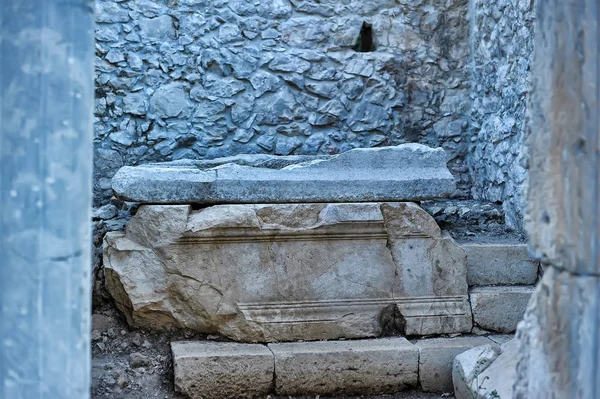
<point x="407" y="172"/>
<point x="285" y="272"/>
<point x="377" y="366"/>
<point x="204" y="369"/>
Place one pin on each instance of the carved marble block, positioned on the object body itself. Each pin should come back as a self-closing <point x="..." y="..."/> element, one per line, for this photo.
<point x="285" y="272"/>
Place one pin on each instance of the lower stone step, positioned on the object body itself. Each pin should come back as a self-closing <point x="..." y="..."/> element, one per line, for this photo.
<point x="345" y="367"/>
<point x="204" y="369"/>
<point x="208" y="369"/>
<point x="499" y="308"/>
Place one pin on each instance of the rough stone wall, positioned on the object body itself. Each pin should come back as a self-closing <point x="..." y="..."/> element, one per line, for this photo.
<point x="501" y="42"/>
<point x="207" y="78"/>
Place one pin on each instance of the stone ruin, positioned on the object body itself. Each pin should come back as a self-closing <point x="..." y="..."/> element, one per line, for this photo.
<point x="316" y="181"/>
<point x="310" y="251"/>
<point x="266" y="249"/>
<point x="269" y="203"/>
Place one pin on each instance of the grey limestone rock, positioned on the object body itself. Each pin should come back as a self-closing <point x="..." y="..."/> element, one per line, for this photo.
<point x="170" y="101"/>
<point x="382" y="365"/>
<point x="156" y="29"/>
<point x="499" y="308"/>
<point x="405" y="172"/>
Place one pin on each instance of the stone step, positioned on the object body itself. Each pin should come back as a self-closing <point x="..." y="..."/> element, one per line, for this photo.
<point x="499" y="308"/>
<point x="499" y="263"/>
<point x="374" y="366"/>
<point x="208" y="369"/>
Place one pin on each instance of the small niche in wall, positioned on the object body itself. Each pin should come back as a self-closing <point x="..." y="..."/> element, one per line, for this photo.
<point x="364" y="41"/>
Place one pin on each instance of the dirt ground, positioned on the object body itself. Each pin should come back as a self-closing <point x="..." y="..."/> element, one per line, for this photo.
<point x="137" y="364"/>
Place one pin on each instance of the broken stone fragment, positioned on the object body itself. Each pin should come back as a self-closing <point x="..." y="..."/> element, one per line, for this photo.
<point x="284" y="272"/>
<point x="406" y="172"/>
<point x="486" y="372"/>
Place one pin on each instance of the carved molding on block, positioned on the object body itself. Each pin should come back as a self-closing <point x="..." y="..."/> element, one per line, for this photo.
<point x="264" y="273"/>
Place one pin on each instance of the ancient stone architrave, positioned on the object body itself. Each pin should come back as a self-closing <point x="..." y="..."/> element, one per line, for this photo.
<point x="265" y="273"/>
<point x="403" y="173"/>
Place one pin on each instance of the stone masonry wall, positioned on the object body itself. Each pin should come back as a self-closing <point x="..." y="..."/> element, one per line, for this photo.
<point x="208" y="78"/>
<point x="501" y="41"/>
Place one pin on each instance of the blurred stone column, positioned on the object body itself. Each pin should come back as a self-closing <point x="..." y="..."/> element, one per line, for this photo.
<point x="46" y="116"/>
<point x="560" y="335"/>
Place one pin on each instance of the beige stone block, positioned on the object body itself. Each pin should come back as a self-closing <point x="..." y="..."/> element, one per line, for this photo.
<point x="285" y="272"/>
<point x="375" y="366"/>
<point x="222" y="369"/>
<point x="435" y="360"/>
<point x="486" y="372"/>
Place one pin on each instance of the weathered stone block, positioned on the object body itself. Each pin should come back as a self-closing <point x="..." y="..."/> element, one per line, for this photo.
<point x="499" y="264"/>
<point x="384" y="365"/>
<point x="268" y="273"/>
<point x="405" y="172"/>
<point x="486" y="372"/>
<point x="222" y="369"/>
<point x="435" y="360"/>
<point x="499" y="308"/>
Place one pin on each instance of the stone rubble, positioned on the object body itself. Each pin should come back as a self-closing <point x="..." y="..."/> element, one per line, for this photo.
<point x="501" y="41"/>
<point x="486" y="372"/>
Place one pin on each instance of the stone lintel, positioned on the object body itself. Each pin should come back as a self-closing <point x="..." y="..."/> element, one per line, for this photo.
<point x="407" y="172"/>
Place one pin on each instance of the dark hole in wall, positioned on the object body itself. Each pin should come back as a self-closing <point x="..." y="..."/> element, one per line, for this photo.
<point x="365" y="42"/>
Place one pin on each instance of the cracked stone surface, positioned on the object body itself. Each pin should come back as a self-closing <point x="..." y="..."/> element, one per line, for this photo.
<point x="284" y="272"/>
<point x="400" y="173"/>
